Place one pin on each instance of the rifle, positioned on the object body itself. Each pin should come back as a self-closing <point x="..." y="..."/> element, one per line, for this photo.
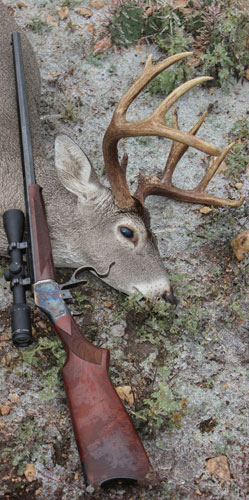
<point x="108" y="444"/>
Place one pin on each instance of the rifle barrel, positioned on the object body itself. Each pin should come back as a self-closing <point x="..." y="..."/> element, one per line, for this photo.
<point x="26" y="143"/>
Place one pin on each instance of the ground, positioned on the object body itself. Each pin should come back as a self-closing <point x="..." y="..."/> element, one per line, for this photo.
<point x="187" y="366"/>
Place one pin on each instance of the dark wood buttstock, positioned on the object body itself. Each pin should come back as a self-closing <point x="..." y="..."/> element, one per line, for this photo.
<point x="40" y="239"/>
<point x="108" y="444"/>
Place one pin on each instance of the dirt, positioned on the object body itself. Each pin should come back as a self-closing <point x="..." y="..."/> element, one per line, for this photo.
<point x="187" y="365"/>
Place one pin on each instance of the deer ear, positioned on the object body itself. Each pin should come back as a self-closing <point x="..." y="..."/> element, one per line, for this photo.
<point x="74" y="169"/>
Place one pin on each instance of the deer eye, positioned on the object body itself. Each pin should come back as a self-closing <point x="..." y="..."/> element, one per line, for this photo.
<point x="126" y="232"/>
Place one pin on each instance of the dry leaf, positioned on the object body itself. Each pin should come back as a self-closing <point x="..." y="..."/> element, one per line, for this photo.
<point x="180" y="3"/>
<point x="97" y="4"/>
<point x="219" y="467"/>
<point x="90" y="28"/>
<point x="14" y="398"/>
<point x="247" y="74"/>
<point x="108" y="304"/>
<point x="82" y="11"/>
<point x="102" y="45"/>
<point x="194" y="61"/>
<point x="222" y="168"/>
<point x="239" y="185"/>
<point x="240" y="245"/>
<point x="30" y="472"/>
<point x="5" y="409"/>
<point x="51" y="20"/>
<point x="149" y="11"/>
<point x="63" y="12"/>
<point x="53" y="74"/>
<point x="21" y="5"/>
<point x="125" y="394"/>
<point x="154" y="180"/>
<point x="11" y="11"/>
<point x="205" y="210"/>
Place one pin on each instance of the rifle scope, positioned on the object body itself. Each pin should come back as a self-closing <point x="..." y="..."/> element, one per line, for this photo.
<point x="20" y="312"/>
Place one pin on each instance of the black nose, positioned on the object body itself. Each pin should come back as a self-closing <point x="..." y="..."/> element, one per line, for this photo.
<point x="170" y="297"/>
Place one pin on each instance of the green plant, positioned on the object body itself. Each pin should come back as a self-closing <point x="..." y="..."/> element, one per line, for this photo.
<point x="37" y="25"/>
<point x="240" y="129"/>
<point x="28" y="443"/>
<point x="216" y="32"/>
<point x="34" y="355"/>
<point x="161" y="407"/>
<point x="95" y="60"/>
<point x="237" y="161"/>
<point x="127" y="24"/>
<point x="238" y="158"/>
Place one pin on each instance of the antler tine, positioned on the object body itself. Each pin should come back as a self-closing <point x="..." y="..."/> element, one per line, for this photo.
<point x="213" y="167"/>
<point x="197" y="195"/>
<point x="154" y="125"/>
<point x="168" y="102"/>
<point x="178" y="149"/>
<point x="150" y="71"/>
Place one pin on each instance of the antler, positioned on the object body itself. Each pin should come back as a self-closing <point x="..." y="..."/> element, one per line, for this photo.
<point x="154" y="125"/>
<point x="165" y="187"/>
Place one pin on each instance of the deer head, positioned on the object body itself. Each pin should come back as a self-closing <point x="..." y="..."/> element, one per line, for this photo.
<point x="120" y="228"/>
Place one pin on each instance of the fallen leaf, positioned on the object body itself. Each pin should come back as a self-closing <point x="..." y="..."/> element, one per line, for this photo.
<point x="194" y="61"/>
<point x="30" y="472"/>
<point x="240" y="245"/>
<point x="222" y="168"/>
<point x="82" y="11"/>
<point x="149" y="11"/>
<point x="219" y="467"/>
<point x="180" y="3"/>
<point x="108" y="303"/>
<point x="247" y="74"/>
<point x="21" y="5"/>
<point x="53" y="74"/>
<point x="239" y="185"/>
<point x="11" y="11"/>
<point x="51" y="20"/>
<point x="205" y="210"/>
<point x="154" y="180"/>
<point x="97" y="4"/>
<point x="102" y="45"/>
<point x="125" y="394"/>
<point x="90" y="28"/>
<point x="14" y="398"/>
<point x="5" y="409"/>
<point x="63" y="12"/>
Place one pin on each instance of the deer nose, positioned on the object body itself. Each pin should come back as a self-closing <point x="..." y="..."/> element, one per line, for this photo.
<point x="170" y="297"/>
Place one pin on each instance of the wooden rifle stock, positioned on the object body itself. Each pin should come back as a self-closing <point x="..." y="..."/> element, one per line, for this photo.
<point x="108" y="444"/>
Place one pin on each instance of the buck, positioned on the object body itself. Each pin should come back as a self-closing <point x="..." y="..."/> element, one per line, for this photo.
<point x="90" y="223"/>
